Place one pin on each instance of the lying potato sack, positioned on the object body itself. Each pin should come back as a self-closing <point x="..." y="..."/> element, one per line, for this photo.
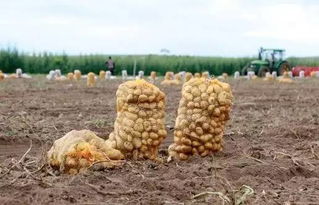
<point x="91" y="80"/>
<point x="102" y="75"/>
<point x="70" y="76"/>
<point x="285" y="78"/>
<point x="203" y="111"/>
<point x="78" y="150"/>
<point x="77" y="75"/>
<point x="139" y="128"/>
<point x="268" y="77"/>
<point x="188" y="76"/>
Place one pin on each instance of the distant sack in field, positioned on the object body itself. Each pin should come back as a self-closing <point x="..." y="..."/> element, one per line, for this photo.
<point x="70" y="76"/>
<point x="202" y="114"/>
<point x="188" y="76"/>
<point x="152" y="76"/>
<point x="77" y="75"/>
<point x="285" y="78"/>
<point x="169" y="79"/>
<point x="102" y="75"/>
<point x="1" y="75"/>
<point x="90" y="80"/>
<point x="78" y="150"/>
<point x="139" y="127"/>
<point x="205" y="75"/>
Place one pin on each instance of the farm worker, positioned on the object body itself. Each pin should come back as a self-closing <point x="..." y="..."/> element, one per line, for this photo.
<point x="110" y="65"/>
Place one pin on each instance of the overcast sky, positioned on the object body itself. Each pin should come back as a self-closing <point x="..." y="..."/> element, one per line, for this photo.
<point x="191" y="27"/>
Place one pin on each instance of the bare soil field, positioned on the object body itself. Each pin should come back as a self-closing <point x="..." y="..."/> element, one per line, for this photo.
<point x="271" y="153"/>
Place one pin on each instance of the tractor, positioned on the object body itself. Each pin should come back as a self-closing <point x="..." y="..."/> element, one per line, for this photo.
<point x="269" y="60"/>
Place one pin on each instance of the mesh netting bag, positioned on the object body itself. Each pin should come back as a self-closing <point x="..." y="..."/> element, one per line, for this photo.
<point x="78" y="150"/>
<point x="203" y="111"/>
<point x="139" y="127"/>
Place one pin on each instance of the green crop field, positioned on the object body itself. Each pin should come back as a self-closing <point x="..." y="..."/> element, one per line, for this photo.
<point x="11" y="58"/>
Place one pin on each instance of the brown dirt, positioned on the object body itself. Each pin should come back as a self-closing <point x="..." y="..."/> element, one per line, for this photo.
<point x="271" y="146"/>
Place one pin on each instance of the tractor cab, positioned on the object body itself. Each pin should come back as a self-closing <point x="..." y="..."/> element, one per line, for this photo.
<point x="269" y="60"/>
<point x="271" y="54"/>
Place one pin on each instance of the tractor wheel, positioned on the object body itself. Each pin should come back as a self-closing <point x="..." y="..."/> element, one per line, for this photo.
<point x="283" y="68"/>
<point x="262" y="71"/>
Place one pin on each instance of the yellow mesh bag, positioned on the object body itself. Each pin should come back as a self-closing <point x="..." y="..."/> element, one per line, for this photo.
<point x="203" y="111"/>
<point x="1" y="75"/>
<point x="77" y="75"/>
<point x="285" y="78"/>
<point x="102" y="75"/>
<point x="188" y="76"/>
<point x="70" y="76"/>
<point x="169" y="79"/>
<point x="139" y="127"/>
<point x="78" y="150"/>
<point x="90" y="80"/>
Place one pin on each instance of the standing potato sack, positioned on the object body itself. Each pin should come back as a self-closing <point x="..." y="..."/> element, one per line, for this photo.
<point x="102" y="75"/>
<point x="139" y="128"/>
<point x="153" y="76"/>
<point x="1" y="75"/>
<point x="188" y="76"/>
<point x="77" y="75"/>
<point x="70" y="76"/>
<point x="90" y="80"/>
<point x="202" y="114"/>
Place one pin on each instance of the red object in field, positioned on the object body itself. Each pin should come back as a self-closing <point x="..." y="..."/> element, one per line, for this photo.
<point x="307" y="70"/>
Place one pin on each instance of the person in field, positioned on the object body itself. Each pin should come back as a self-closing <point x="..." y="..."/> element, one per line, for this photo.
<point x="110" y="65"/>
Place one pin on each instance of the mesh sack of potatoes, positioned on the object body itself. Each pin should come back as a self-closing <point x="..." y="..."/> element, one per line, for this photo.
<point x="78" y="150"/>
<point x="77" y="75"/>
<point x="102" y="75"/>
<point x="203" y="111"/>
<point x="70" y="76"/>
<point x="188" y="76"/>
<point x="153" y="75"/>
<point x="90" y="80"/>
<point x="1" y="75"/>
<point x="197" y="75"/>
<point x="139" y="127"/>
<point x="178" y="78"/>
<point x="268" y="77"/>
<point x="205" y="75"/>
<point x="169" y="79"/>
<point x="285" y="78"/>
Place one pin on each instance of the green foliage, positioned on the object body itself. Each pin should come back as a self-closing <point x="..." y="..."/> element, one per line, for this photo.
<point x="11" y="58"/>
<point x="304" y="61"/>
